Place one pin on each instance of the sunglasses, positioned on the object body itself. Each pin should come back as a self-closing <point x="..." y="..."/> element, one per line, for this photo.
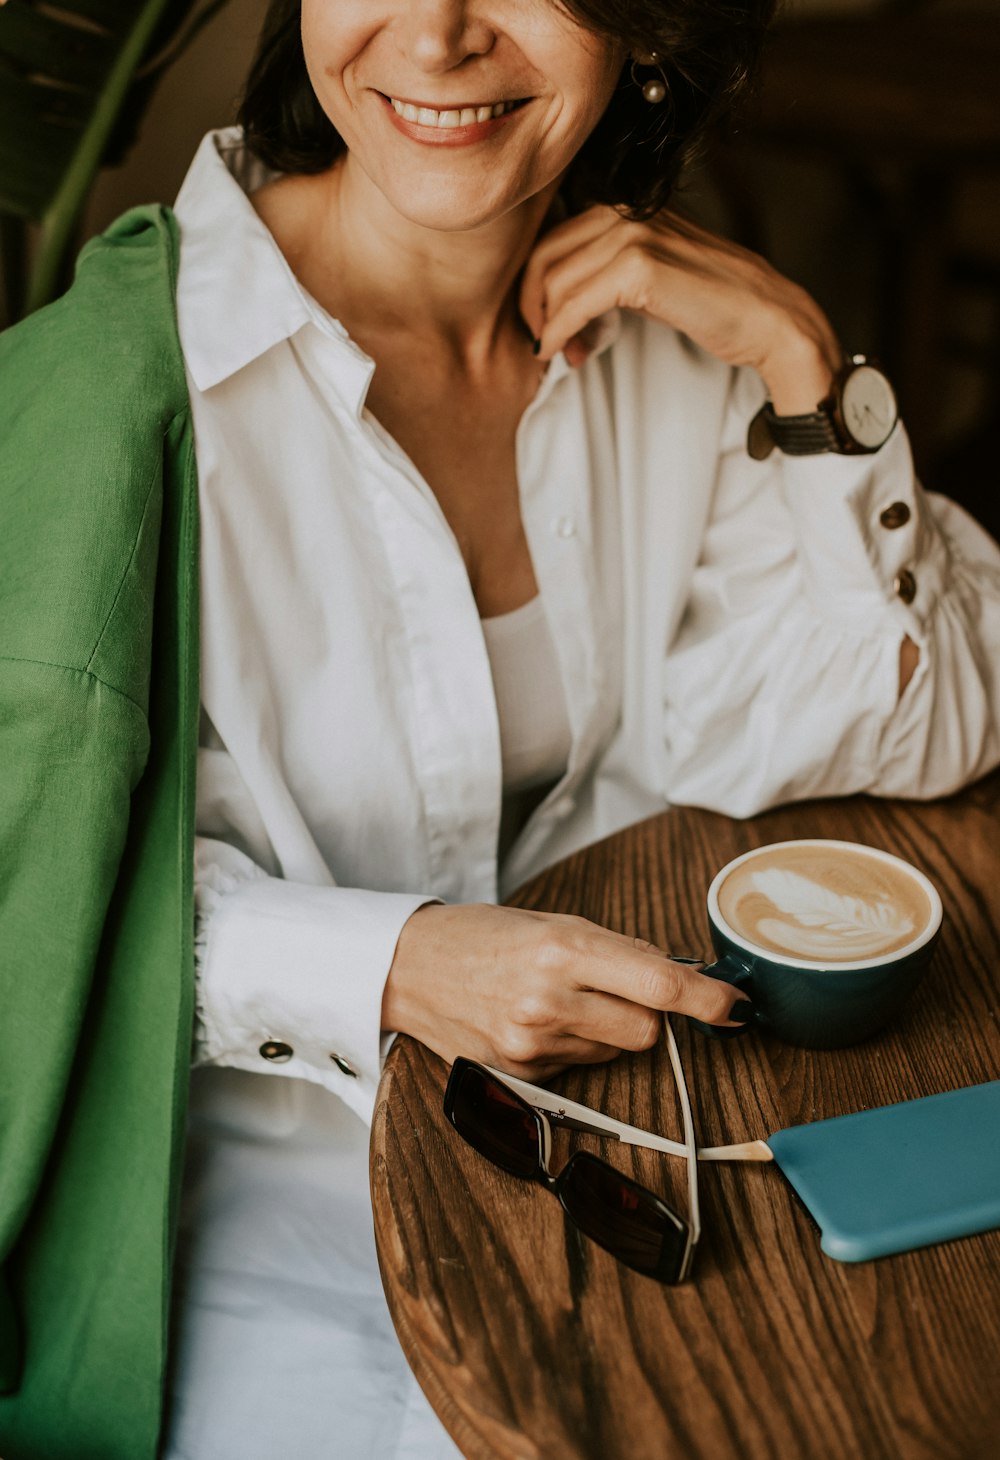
<point x="510" y="1123"/>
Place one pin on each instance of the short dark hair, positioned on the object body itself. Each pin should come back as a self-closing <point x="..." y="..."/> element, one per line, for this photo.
<point x="709" y="52"/>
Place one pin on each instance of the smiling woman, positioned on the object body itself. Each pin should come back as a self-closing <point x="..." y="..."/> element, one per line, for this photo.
<point x="502" y="504"/>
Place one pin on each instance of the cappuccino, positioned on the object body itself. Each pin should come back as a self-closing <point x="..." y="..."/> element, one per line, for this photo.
<point x="827" y="902"/>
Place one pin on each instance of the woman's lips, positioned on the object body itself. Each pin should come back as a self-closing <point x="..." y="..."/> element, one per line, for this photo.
<point x="450" y="126"/>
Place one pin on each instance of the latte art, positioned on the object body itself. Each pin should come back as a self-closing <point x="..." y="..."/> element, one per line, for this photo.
<point x="826" y="924"/>
<point x="827" y="903"/>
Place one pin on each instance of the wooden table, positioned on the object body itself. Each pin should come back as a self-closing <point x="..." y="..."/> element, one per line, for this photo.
<point x="532" y="1342"/>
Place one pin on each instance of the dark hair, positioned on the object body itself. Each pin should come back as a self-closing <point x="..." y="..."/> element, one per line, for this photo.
<point x="709" y="51"/>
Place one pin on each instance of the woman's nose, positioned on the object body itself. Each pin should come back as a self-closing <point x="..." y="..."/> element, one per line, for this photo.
<point x="437" y="35"/>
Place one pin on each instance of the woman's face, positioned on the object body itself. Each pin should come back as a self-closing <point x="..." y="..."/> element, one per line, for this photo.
<point x="407" y="83"/>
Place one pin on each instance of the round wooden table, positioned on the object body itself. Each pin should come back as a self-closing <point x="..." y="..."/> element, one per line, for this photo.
<point x="532" y="1342"/>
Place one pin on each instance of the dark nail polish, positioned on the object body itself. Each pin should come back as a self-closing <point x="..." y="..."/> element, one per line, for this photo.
<point x="536" y="345"/>
<point x="741" y="1012"/>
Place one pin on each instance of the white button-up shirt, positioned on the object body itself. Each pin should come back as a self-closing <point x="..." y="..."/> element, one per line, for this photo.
<point x="727" y="632"/>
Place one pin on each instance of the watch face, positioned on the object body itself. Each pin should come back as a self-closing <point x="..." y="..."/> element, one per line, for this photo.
<point x="868" y="407"/>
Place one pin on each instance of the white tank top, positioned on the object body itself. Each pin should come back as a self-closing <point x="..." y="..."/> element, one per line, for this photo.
<point x="535" y="735"/>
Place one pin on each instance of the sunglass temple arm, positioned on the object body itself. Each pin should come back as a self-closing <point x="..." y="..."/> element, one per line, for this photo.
<point x="570" y="1114"/>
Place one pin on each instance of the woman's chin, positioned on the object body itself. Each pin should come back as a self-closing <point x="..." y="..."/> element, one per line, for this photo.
<point x="456" y="214"/>
<point x="447" y="203"/>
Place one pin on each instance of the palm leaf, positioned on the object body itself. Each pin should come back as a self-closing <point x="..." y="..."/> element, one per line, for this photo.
<point x="75" y="77"/>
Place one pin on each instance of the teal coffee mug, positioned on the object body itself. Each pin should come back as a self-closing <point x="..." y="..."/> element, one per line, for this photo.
<point x="827" y="939"/>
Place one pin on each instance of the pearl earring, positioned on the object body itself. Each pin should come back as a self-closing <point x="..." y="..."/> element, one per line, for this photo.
<point x="655" y="89"/>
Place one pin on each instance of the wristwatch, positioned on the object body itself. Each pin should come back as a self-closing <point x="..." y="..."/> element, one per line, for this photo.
<point x="855" y="418"/>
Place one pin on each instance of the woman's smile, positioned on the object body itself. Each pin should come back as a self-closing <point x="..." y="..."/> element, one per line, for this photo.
<point x="456" y="126"/>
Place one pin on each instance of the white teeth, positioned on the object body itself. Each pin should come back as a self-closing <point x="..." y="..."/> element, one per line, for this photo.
<point x="466" y="116"/>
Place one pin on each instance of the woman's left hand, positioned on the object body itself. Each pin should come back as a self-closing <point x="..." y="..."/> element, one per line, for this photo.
<point x="723" y="297"/>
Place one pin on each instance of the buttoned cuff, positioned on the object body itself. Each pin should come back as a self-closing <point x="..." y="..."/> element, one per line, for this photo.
<point x="290" y="979"/>
<point x="867" y="543"/>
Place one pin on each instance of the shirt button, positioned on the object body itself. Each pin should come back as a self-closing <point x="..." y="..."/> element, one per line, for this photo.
<point x="563" y="526"/>
<point x="896" y="515"/>
<point x="563" y="807"/>
<point x="344" y="1066"/>
<point x="905" y="585"/>
<point x="276" y="1051"/>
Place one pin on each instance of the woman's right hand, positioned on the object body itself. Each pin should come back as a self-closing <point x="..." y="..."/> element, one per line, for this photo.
<point x="533" y="992"/>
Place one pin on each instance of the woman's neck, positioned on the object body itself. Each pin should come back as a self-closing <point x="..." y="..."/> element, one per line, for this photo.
<point x="365" y="262"/>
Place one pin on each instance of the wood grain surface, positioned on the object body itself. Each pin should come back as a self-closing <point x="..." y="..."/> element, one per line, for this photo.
<point x="533" y="1343"/>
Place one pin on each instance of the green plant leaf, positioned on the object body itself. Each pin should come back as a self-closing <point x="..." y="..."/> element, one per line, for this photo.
<point x="68" y="86"/>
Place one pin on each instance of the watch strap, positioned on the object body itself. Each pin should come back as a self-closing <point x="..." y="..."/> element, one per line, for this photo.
<point x="807" y="435"/>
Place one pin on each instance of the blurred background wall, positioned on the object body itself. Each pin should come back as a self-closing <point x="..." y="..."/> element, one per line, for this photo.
<point x="869" y="170"/>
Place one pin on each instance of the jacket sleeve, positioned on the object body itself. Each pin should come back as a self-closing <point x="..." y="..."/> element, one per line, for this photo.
<point x="71" y="751"/>
<point x="782" y="681"/>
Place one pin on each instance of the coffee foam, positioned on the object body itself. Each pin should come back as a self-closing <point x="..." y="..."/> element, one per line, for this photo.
<point x="825" y="902"/>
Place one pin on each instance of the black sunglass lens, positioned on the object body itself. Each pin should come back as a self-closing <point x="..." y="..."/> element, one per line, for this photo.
<point x="492" y="1118"/>
<point x="622" y="1217"/>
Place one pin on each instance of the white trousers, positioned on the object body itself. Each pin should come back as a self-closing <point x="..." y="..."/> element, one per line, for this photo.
<point x="282" y="1341"/>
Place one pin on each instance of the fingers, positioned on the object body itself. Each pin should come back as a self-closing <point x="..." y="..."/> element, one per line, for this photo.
<point x="550" y="1015"/>
<point x="560" y="243"/>
<point x="606" y="1018"/>
<point x="575" y="253"/>
<point x="639" y="974"/>
<point x="582" y="344"/>
<point x="712" y="1000"/>
<point x="625" y="268"/>
<point x="570" y="273"/>
<point x="593" y="296"/>
<point x="723" y="297"/>
<point x="572" y="1051"/>
<point x="641" y="980"/>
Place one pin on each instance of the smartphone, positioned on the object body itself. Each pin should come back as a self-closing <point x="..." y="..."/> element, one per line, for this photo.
<point x="900" y="1176"/>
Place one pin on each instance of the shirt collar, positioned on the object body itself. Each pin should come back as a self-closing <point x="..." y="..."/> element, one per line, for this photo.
<point x="237" y="296"/>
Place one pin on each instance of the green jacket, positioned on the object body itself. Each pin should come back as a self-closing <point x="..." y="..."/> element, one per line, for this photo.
<point x="98" y="734"/>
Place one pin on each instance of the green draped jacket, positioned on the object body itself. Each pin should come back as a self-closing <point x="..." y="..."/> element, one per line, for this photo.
<point x="98" y="734"/>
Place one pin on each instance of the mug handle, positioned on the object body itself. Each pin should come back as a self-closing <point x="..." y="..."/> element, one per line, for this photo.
<point x="731" y="970"/>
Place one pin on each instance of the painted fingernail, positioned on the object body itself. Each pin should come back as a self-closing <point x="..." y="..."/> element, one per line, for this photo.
<point x="741" y="1012"/>
<point x="536" y="345"/>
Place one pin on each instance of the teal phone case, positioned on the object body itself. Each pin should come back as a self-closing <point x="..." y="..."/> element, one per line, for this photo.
<point x="901" y="1176"/>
